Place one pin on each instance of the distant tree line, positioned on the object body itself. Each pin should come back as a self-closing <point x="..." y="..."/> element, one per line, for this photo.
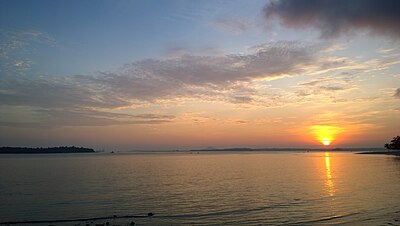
<point x="394" y="143"/>
<point x="49" y="150"/>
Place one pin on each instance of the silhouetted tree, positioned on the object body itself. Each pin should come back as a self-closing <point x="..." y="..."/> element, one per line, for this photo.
<point x="25" y="150"/>
<point x="394" y="143"/>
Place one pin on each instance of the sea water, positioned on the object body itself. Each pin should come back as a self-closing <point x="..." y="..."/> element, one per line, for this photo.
<point x="206" y="188"/>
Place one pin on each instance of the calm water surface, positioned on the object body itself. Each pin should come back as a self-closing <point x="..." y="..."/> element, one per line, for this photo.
<point x="204" y="189"/>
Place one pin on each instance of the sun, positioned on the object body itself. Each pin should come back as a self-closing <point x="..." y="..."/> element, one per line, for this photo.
<point x="325" y="134"/>
<point x="326" y="141"/>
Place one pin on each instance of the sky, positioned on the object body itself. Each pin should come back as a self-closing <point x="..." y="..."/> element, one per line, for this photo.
<point x="185" y="74"/>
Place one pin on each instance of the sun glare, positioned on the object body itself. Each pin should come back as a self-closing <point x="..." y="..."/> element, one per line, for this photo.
<point x="325" y="134"/>
<point x="326" y="141"/>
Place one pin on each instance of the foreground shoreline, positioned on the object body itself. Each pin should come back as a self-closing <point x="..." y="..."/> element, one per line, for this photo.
<point x="396" y="153"/>
<point x="85" y="221"/>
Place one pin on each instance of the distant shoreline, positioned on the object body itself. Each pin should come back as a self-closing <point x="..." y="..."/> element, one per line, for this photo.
<point x="73" y="149"/>
<point x="49" y="150"/>
<point x="290" y="149"/>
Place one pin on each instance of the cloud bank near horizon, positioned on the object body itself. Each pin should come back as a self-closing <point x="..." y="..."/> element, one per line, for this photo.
<point x="237" y="79"/>
<point x="89" y="99"/>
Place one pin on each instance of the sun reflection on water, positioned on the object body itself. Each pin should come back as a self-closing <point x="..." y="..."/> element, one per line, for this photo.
<point x="329" y="180"/>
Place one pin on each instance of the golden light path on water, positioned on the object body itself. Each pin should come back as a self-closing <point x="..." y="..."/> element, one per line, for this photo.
<point x="329" y="181"/>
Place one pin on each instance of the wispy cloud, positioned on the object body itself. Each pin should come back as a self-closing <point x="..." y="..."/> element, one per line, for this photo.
<point x="333" y="18"/>
<point x="14" y="49"/>
<point x="232" y="25"/>
<point x="325" y="85"/>
<point x="56" y="117"/>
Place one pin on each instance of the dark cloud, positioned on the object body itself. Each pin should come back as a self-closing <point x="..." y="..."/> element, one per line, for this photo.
<point x="333" y="17"/>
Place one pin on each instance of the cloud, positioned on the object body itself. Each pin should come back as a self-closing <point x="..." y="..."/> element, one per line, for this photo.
<point x="334" y="17"/>
<point x="226" y="77"/>
<point x="85" y="117"/>
<point x="324" y="86"/>
<point x="56" y="92"/>
<point x="232" y="25"/>
<point x="397" y="93"/>
<point x="234" y="78"/>
<point x="178" y="51"/>
<point x="15" y="42"/>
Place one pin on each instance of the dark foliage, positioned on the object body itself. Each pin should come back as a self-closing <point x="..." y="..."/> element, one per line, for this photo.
<point x="51" y="150"/>
<point x="394" y="143"/>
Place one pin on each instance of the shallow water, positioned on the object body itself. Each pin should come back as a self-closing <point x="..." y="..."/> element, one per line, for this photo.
<point x="203" y="189"/>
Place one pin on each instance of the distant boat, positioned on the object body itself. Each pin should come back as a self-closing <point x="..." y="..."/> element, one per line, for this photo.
<point x="112" y="152"/>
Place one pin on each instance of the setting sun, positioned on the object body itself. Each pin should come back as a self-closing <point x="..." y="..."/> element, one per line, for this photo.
<point x="325" y="134"/>
<point x="326" y="141"/>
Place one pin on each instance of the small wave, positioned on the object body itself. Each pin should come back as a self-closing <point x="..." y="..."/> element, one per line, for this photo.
<point x="231" y="212"/>
<point x="323" y="219"/>
<point x="189" y="215"/>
